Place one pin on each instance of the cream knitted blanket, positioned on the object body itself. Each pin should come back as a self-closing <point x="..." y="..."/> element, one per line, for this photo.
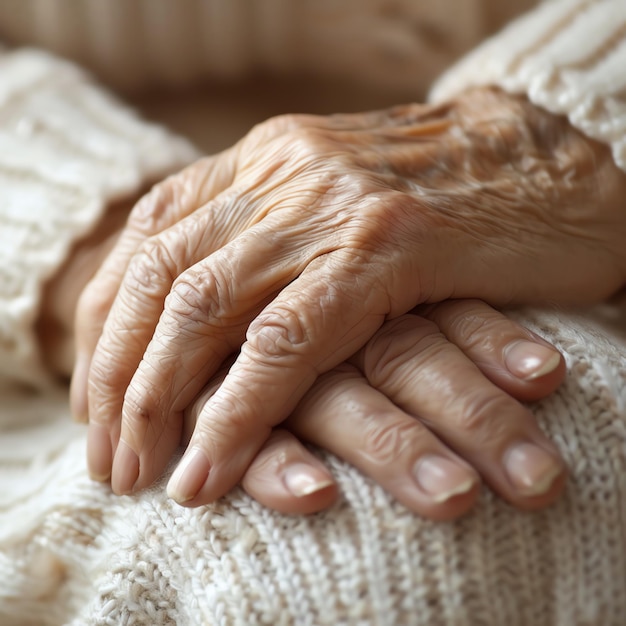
<point x="72" y="553"/>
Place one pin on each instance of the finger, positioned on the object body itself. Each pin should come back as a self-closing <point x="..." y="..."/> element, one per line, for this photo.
<point x="108" y="372"/>
<point x="162" y="207"/>
<point x="281" y="248"/>
<point x="165" y="205"/>
<point x="413" y="364"/>
<point x="345" y="415"/>
<point x="135" y="312"/>
<point x="284" y="475"/>
<point x="312" y="325"/>
<point x="205" y="319"/>
<point x="148" y="279"/>
<point x="517" y="360"/>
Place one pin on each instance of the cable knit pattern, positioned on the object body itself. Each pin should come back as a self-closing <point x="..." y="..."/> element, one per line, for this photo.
<point x="67" y="149"/>
<point x="569" y="57"/>
<point x="72" y="553"/>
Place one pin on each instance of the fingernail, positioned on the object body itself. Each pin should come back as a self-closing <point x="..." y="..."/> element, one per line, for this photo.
<point x="189" y="476"/>
<point x="125" y="469"/>
<point x="531" y="469"/>
<point x="441" y="478"/>
<point x="529" y="360"/>
<point x="302" y="479"/>
<point x="78" y="389"/>
<point x="99" y="452"/>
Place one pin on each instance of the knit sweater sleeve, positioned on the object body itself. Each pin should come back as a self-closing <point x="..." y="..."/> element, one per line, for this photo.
<point x="567" y="56"/>
<point x="67" y="150"/>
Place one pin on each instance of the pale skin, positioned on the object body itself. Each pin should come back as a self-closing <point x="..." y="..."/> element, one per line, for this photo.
<point x="299" y="245"/>
<point x="464" y="342"/>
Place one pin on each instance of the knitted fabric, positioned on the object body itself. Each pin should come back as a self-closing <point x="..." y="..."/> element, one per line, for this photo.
<point x="80" y="555"/>
<point x="568" y="57"/>
<point x="67" y="150"/>
<point x="72" y="553"/>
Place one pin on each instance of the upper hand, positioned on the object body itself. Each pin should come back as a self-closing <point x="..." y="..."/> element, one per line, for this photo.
<point x="298" y="243"/>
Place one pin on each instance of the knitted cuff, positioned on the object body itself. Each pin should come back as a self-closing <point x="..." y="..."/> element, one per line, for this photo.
<point x="67" y="149"/>
<point x="568" y="56"/>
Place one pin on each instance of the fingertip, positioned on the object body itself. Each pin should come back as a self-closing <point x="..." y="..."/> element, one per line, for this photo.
<point x="447" y="488"/>
<point x="528" y="371"/>
<point x="513" y="357"/>
<point x="189" y="476"/>
<point x="442" y="479"/>
<point x="454" y="507"/>
<point x="303" y="479"/>
<point x="302" y="488"/>
<point x="287" y="477"/>
<point x="99" y="452"/>
<point x="543" y="500"/>
<point x="307" y="504"/>
<point x="536" y="474"/>
<point x="531" y="360"/>
<point x="125" y="470"/>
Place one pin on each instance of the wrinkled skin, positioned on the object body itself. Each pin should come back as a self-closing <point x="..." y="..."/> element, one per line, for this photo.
<point x="451" y="367"/>
<point x="294" y="247"/>
<point x="351" y="412"/>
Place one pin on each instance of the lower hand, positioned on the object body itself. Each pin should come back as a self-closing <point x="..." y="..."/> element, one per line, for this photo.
<point x="424" y="410"/>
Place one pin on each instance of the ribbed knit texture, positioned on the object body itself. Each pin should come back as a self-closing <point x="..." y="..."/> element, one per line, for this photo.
<point x="80" y="555"/>
<point x="67" y="150"/>
<point x="72" y="553"/>
<point x="569" y="57"/>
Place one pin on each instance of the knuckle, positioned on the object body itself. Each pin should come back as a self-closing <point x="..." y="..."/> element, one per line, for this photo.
<point x="389" y="207"/>
<point x="486" y="413"/>
<point x="140" y="403"/>
<point x="277" y="125"/>
<point x="379" y="217"/>
<point x="473" y="325"/>
<point x="386" y="439"/>
<point x="398" y="341"/>
<point x="151" y="213"/>
<point x="307" y="143"/>
<point x="151" y="268"/>
<point x="170" y="199"/>
<point x="278" y="332"/>
<point x="199" y="296"/>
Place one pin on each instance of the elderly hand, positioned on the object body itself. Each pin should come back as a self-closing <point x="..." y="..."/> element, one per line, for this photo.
<point x="424" y="410"/>
<point x="351" y="410"/>
<point x="295" y="246"/>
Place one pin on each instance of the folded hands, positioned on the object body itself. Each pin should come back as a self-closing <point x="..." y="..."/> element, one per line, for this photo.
<point x="269" y="293"/>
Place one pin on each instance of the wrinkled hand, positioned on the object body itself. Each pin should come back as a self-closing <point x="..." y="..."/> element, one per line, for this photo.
<point x="297" y="244"/>
<point x="347" y="412"/>
<point x="424" y="410"/>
